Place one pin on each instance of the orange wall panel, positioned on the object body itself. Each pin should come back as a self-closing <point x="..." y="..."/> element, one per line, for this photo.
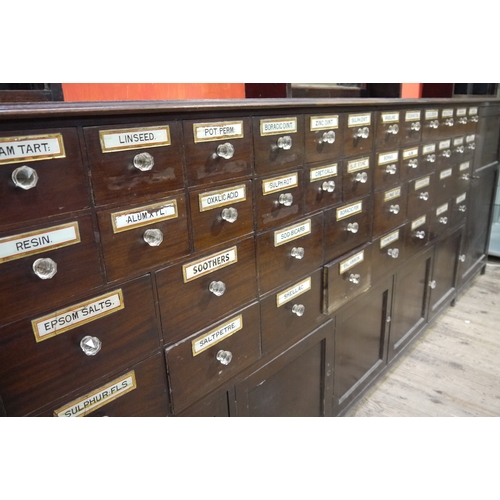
<point x="151" y="91"/>
<point x="411" y="90"/>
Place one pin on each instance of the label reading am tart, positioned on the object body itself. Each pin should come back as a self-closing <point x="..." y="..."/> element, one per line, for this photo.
<point x="216" y="131"/>
<point x="472" y="111"/>
<point x="412" y="116"/>
<point x="445" y="144"/>
<point x="355" y="165"/>
<point x="347" y="211"/>
<point x="421" y="183"/>
<point x="384" y="158"/>
<point x="410" y="153"/>
<point x="470" y="138"/>
<point x="208" y="265"/>
<point x="418" y="222"/>
<point x="390" y="117"/>
<point x="430" y="148"/>
<point x="216" y="335"/>
<point x="276" y="126"/>
<point x="445" y="173"/>
<point x="431" y="114"/>
<point x="100" y="397"/>
<point x="134" y="138"/>
<point x="292" y="233"/>
<point x="292" y="292"/>
<point x="442" y="209"/>
<point x="319" y="173"/>
<point x="390" y="238"/>
<point x="461" y="198"/>
<point x="347" y="264"/>
<point x="446" y="113"/>
<point x="392" y="194"/>
<point x="130" y="219"/>
<point x="279" y="183"/>
<point x="464" y="166"/>
<point x="324" y="122"/>
<point x="76" y="315"/>
<point x="229" y="196"/>
<point x="359" y="120"/>
<point x="461" y="111"/>
<point x="22" y="245"/>
<point x="458" y="141"/>
<point x="31" y="148"/>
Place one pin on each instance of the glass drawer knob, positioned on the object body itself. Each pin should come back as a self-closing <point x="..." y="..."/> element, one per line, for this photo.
<point x="297" y="252"/>
<point x="415" y="126"/>
<point x="143" y="161"/>
<point x="224" y="357"/>
<point x="25" y="177"/>
<point x="443" y="220"/>
<point x="465" y="177"/>
<point x="363" y="133"/>
<point x="229" y="214"/>
<point x="286" y="199"/>
<point x="460" y="149"/>
<point x="45" y="268"/>
<point x="90" y="345"/>
<point x="394" y="209"/>
<point x="153" y="237"/>
<point x="431" y="158"/>
<point x="298" y="309"/>
<point x="432" y="284"/>
<point x="446" y="153"/>
<point x="391" y="169"/>
<point x="217" y="288"/>
<point x="354" y="278"/>
<point x="225" y="150"/>
<point x="284" y="142"/>
<point x="413" y="163"/>
<point x="361" y="177"/>
<point x="424" y="196"/>
<point x="474" y="119"/>
<point x="328" y="186"/>
<point x="434" y="124"/>
<point x="393" y="129"/>
<point x="353" y="227"/>
<point x="328" y="137"/>
<point x="462" y="208"/>
<point x="472" y="145"/>
<point x="449" y="122"/>
<point x="463" y="120"/>
<point x="393" y="252"/>
<point x="419" y="234"/>
<point x="461" y="258"/>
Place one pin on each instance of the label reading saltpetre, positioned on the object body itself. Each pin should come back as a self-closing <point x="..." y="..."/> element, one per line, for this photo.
<point x="216" y="335"/>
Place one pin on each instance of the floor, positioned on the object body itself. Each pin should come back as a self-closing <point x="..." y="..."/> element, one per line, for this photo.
<point x="453" y="370"/>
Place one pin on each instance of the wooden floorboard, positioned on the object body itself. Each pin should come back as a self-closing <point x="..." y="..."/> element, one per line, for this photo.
<point x="454" y="368"/>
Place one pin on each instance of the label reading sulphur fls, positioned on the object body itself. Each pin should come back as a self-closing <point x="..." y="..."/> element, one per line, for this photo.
<point x="134" y="138"/>
<point x="31" y="148"/>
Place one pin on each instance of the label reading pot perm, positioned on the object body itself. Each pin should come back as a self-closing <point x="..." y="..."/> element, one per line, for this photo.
<point x="199" y="268"/>
<point x="206" y="132"/>
<point x="216" y="335"/>
<point x="292" y="233"/>
<point x="134" y="138"/>
<point x="31" y="148"/>
<point x="142" y="216"/>
<point x="292" y="292"/>
<point x="215" y="199"/>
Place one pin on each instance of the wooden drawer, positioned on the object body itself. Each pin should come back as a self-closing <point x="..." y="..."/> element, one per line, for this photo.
<point x="346" y="278"/>
<point x="279" y="200"/>
<point x="140" y="391"/>
<point x="411" y="126"/>
<point x="292" y="312"/>
<point x="70" y="244"/>
<point x="34" y="164"/>
<point x="193" y="367"/>
<point x="429" y="157"/>
<point x="387" y="170"/>
<point x="440" y="220"/>
<point x="387" y="252"/>
<point x="462" y="174"/>
<point x="458" y="149"/>
<point x="445" y="184"/>
<point x="41" y="357"/>
<point x="221" y="214"/>
<point x="447" y="124"/>
<point x="459" y="209"/>
<point x="357" y="177"/>
<point x="290" y="252"/>
<point x="431" y="129"/>
<point x="217" y="150"/>
<point x="323" y="186"/>
<point x="389" y="209"/>
<point x="421" y="197"/>
<point x="324" y="138"/>
<point x="278" y="143"/>
<point x="470" y="146"/>
<point x="347" y="227"/>
<point x="461" y="120"/>
<point x="389" y="129"/>
<point x="472" y="120"/>
<point x="412" y="165"/>
<point x="186" y="302"/>
<point x="115" y="151"/>
<point x="417" y="234"/>
<point x="358" y="134"/>
<point x="444" y="153"/>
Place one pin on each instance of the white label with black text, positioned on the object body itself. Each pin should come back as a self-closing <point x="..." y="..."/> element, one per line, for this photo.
<point x="458" y="141"/>
<point x="418" y="222"/>
<point x="412" y="116"/>
<point x="464" y="166"/>
<point x="359" y="120"/>
<point x="292" y="233"/>
<point x="214" y="199"/>
<point x="445" y="144"/>
<point x="194" y="270"/>
<point x="294" y="291"/>
<point x="390" y="117"/>
<point x="389" y="239"/>
<point x="323" y="172"/>
<point x="278" y="126"/>
<point x="392" y="194"/>
<point x="442" y="209"/>
<point x="384" y="158"/>
<point x="462" y="112"/>
<point x="119" y="140"/>
<point x="446" y="113"/>
<point x="31" y="148"/>
<point x="215" y="336"/>
<point x="430" y="148"/>
<point x="410" y="153"/>
<point x="349" y="210"/>
<point x="470" y="138"/>
<point x="279" y="184"/>
<point x="461" y="198"/>
<point x="351" y="262"/>
<point x="431" y="114"/>
<point x="324" y="122"/>
<point x="206" y="132"/>
<point x="445" y="173"/>
<point x="472" y="111"/>
<point x="123" y="221"/>
<point x="421" y="183"/>
<point x="354" y="166"/>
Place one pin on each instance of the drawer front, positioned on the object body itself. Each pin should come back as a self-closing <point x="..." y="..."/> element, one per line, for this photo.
<point x="389" y="129"/>
<point x="217" y="150"/>
<point x="440" y="220"/>
<point x="472" y="120"/>
<point x="412" y="163"/>
<point x="347" y="277"/>
<point x="70" y="245"/>
<point x="460" y="206"/>
<point x="134" y="162"/>
<point x="387" y="169"/>
<point x="389" y="209"/>
<point x="444" y="154"/>
<point x="461" y="120"/>
<point x="278" y="143"/>
<point x="191" y="294"/>
<point x="462" y="174"/>
<point x="193" y="364"/>
<point x="429" y="153"/>
<point x="431" y="124"/>
<point x="358" y="134"/>
<point x="387" y="252"/>
<point x="445" y="184"/>
<point x="458" y="149"/>
<point x="448" y="122"/>
<point x="324" y="137"/>
<point x="411" y="126"/>
<point x="221" y="214"/>
<point x="291" y="312"/>
<point x="140" y="391"/>
<point x="417" y="234"/>
<point x="357" y="177"/>
<point x="139" y="238"/>
<point x="421" y="196"/>
<point x="42" y="357"/>
<point x="470" y="146"/>
<point x="290" y="252"/>
<point x="34" y="165"/>
<point x="347" y="227"/>
<point x="323" y="186"/>
<point x="279" y="200"/>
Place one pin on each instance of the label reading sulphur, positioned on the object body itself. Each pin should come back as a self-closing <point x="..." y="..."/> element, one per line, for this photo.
<point x="279" y="184"/>
<point x="351" y="262"/>
<point x="214" y="336"/>
<point x="194" y="270"/>
<point x="31" y="148"/>
<point x="134" y="138"/>
<point x="292" y="292"/>
<point x="278" y="126"/>
<point x="324" y="122"/>
<point x="130" y="219"/>
<point x="206" y="132"/>
<point x="214" y="199"/>
<point x="292" y="233"/>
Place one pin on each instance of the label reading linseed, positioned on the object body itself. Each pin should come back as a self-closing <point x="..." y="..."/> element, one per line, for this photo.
<point x="134" y="138"/>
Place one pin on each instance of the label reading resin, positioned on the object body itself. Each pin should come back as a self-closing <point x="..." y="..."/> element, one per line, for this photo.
<point x="206" y="132"/>
<point x="392" y="194"/>
<point x="412" y="116"/>
<point x="130" y="219"/>
<point x="319" y="173"/>
<point x="472" y="111"/>
<point x="390" y="117"/>
<point x="418" y="222"/>
<point x="194" y="270"/>
<point x="431" y="114"/>
<point x="292" y="292"/>
<point x="389" y="239"/>
<point x="355" y="165"/>
<point x="279" y="183"/>
<point x="470" y="138"/>
<point x="22" y="245"/>
<point x="134" y="138"/>
<point x="462" y="112"/>
<point x="464" y="166"/>
<point x="31" y="148"/>
<point x="100" y="397"/>
<point x="410" y="153"/>
<point x="445" y="173"/>
<point x="324" y="122"/>
<point x="292" y="233"/>
<point x="445" y="144"/>
<point x="351" y="262"/>
<point x="446" y="113"/>
<point x="430" y="148"/>
<point x="214" y="199"/>
<point x="461" y="198"/>
<point x="76" y="315"/>
<point x="347" y="211"/>
<point x="458" y="141"/>
<point x="278" y="126"/>
<point x="421" y="183"/>
<point x="358" y="120"/>
<point x="384" y="158"/>
<point x="442" y="209"/>
<point x="214" y="336"/>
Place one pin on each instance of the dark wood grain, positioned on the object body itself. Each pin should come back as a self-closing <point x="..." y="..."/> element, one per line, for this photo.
<point x="317" y="150"/>
<point x="383" y="219"/>
<point x="384" y="140"/>
<point x="316" y="196"/>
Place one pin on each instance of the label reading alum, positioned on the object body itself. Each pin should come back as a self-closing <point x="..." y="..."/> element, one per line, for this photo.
<point x="134" y="138"/>
<point x="214" y="199"/>
<point x="418" y="222"/>
<point x="412" y="116"/>
<point x="319" y="173"/>
<point x="216" y="335"/>
<point x="389" y="239"/>
<point x="279" y="183"/>
<point x="421" y="183"/>
<point x="216" y="131"/>
<point x="194" y="270"/>
<point x="392" y="194"/>
<point x="359" y="120"/>
<point x="351" y="262"/>
<point x="410" y="153"/>
<point x="292" y="292"/>
<point x="292" y="233"/>
<point x="276" y="126"/>
<point x="100" y="397"/>
<point x="130" y="219"/>
<point x="384" y="158"/>
<point x="31" y="148"/>
<point x="347" y="211"/>
<point x="76" y="315"/>
<point x="355" y="165"/>
<point x="324" y="122"/>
